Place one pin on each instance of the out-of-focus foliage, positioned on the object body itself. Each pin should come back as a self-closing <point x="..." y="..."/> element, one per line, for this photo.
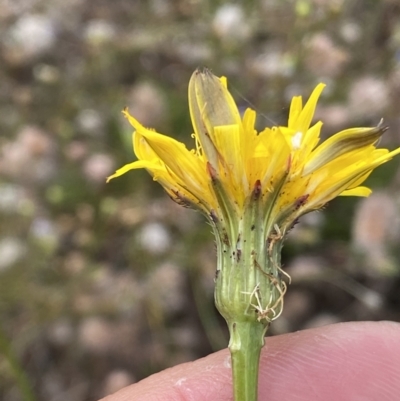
<point x="101" y="285"/>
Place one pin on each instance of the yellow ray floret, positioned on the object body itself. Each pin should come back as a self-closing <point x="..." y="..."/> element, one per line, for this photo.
<point x="293" y="169"/>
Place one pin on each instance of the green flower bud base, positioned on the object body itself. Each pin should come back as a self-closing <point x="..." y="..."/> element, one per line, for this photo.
<point x="248" y="287"/>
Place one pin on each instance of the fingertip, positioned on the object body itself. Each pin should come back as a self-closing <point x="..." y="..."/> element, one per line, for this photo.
<point x="204" y="379"/>
<point x="346" y="361"/>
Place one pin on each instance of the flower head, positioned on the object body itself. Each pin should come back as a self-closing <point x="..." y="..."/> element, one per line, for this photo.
<point x="253" y="186"/>
<point x="295" y="173"/>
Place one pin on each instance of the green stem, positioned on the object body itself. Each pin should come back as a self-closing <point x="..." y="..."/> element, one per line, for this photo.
<point x="247" y="339"/>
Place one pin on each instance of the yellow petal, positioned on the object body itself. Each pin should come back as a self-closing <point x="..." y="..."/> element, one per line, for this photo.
<point x="140" y="146"/>
<point x="227" y="139"/>
<point x="132" y="166"/>
<point x="343" y="142"/>
<point x="211" y="105"/>
<point x="385" y="156"/>
<point x="224" y="81"/>
<point x="310" y="140"/>
<point x="249" y="133"/>
<point x="301" y="120"/>
<point x="358" y="191"/>
<point x="183" y="164"/>
<point x="295" y="109"/>
<point x="276" y="152"/>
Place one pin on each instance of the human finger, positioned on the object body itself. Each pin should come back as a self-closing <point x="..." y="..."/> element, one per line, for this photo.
<point x="346" y="361"/>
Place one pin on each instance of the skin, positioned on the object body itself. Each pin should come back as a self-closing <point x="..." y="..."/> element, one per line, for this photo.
<point x="341" y="362"/>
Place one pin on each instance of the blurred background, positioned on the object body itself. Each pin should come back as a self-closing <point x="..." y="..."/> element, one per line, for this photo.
<point x="102" y="285"/>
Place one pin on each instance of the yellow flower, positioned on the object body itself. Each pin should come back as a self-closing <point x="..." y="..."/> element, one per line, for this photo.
<point x="296" y="174"/>
<point x="253" y="186"/>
